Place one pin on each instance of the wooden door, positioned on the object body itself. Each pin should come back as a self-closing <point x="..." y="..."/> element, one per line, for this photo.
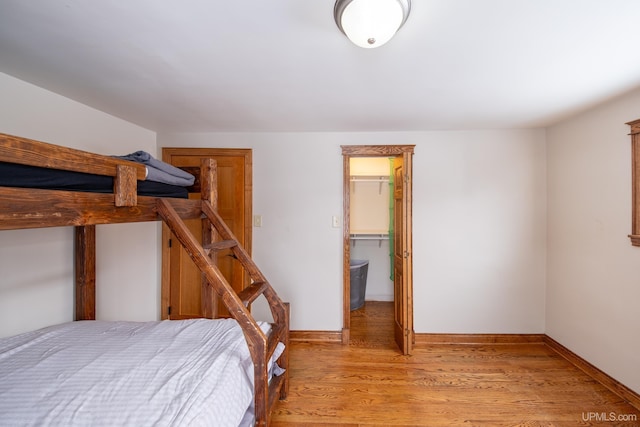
<point x="183" y="294"/>
<point x="402" y="289"/>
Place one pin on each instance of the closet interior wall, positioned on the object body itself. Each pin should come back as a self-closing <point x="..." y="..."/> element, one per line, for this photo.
<point x="369" y="223"/>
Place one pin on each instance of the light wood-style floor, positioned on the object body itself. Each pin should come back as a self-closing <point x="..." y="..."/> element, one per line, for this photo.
<point x="369" y="383"/>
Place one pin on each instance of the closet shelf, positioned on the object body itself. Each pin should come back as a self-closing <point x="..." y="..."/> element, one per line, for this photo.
<point x="377" y="178"/>
<point x="369" y="235"/>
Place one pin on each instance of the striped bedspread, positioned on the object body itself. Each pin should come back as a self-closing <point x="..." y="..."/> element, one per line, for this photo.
<point x="168" y="373"/>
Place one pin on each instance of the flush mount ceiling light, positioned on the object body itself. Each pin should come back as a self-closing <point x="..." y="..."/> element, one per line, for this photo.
<point x="371" y="23"/>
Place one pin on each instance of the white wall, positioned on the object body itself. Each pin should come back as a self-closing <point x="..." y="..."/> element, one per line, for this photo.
<point x="593" y="291"/>
<point x="480" y="232"/>
<point x="36" y="281"/>
<point x="479" y="224"/>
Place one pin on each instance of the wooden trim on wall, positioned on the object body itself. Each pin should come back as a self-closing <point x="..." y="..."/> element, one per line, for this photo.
<point x="376" y="150"/>
<point x="612" y="384"/>
<point x="475" y="339"/>
<point x="423" y="340"/>
<point x="316" y="336"/>
<point x="346" y="248"/>
<point x="635" y="182"/>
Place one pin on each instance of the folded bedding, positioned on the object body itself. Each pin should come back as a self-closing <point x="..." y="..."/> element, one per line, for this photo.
<point x="25" y="176"/>
<point x="160" y="171"/>
<point x="195" y="372"/>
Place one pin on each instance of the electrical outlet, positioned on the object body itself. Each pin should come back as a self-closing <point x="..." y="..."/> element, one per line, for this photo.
<point x="257" y="220"/>
<point x="335" y="221"/>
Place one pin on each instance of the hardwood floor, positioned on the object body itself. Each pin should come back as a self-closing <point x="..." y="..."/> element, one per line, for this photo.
<point x="369" y="383"/>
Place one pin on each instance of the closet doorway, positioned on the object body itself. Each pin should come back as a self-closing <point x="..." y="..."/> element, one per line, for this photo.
<point x="401" y="169"/>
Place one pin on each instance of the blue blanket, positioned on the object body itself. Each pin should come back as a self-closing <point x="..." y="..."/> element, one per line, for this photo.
<point x="160" y="171"/>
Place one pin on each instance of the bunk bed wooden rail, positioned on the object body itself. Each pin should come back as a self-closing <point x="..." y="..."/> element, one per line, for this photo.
<point x="22" y="208"/>
<point x="25" y="151"/>
<point x="34" y="208"/>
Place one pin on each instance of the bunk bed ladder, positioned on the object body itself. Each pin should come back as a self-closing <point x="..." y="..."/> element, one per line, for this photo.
<point x="261" y="346"/>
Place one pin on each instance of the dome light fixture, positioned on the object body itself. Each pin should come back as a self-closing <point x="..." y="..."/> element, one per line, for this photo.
<point x="370" y="23"/>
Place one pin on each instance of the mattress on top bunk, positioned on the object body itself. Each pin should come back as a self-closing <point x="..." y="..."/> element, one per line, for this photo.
<point x="172" y="372"/>
<point x="25" y="176"/>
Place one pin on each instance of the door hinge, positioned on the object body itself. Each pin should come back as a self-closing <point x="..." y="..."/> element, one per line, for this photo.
<point x="169" y="311"/>
<point x="169" y="242"/>
<point x="406" y="178"/>
<point x="406" y="254"/>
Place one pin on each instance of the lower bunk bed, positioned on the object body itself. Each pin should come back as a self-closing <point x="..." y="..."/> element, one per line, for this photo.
<point x="194" y="372"/>
<point x="222" y="372"/>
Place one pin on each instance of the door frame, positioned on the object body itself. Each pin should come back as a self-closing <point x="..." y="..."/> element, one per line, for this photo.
<point x="349" y="151"/>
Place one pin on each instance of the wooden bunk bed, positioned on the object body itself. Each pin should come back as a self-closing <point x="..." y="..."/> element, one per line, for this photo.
<point x="23" y="208"/>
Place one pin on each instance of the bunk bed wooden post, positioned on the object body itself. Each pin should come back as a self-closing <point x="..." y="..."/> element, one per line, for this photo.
<point x="284" y="358"/>
<point x="85" y="272"/>
<point x="125" y="185"/>
<point x="209" y="192"/>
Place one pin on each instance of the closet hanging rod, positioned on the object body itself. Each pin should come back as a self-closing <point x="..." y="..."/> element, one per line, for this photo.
<point x="369" y="179"/>
<point x="369" y="236"/>
<point x="380" y="179"/>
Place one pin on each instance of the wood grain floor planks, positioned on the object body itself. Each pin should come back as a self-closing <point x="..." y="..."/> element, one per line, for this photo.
<point x="369" y="383"/>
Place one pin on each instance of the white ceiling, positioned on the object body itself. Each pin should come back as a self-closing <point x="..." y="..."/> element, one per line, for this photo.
<point x="283" y="65"/>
